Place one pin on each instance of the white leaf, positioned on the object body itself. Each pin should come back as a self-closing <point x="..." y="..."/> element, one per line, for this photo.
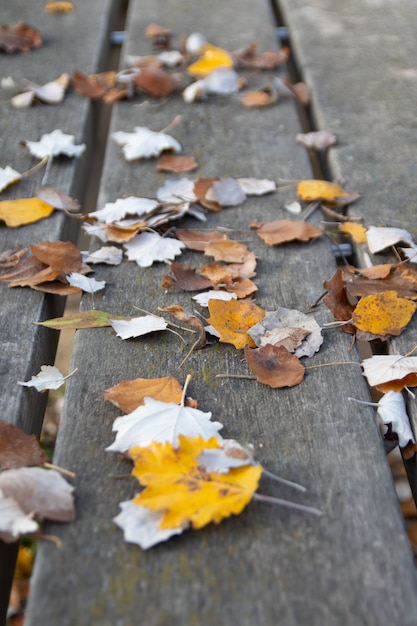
<point x="170" y="58"/>
<point x="8" y="176"/>
<point x="293" y="207"/>
<point x="161" y="421"/>
<point x="257" y="186"/>
<point x="89" y="285"/>
<point x="227" y="192"/>
<point x="140" y="525"/>
<point x="45" y="493"/>
<point x="194" y="43"/>
<point x="410" y="253"/>
<point x="221" y="82"/>
<point x="96" y="230"/>
<point x="52" y="92"/>
<point x="144" y="143"/>
<point x="138" y="326"/>
<point x="118" y="210"/>
<point x="13" y="521"/>
<point x="146" y="248"/>
<point x="107" y="254"/>
<point x="317" y="140"/>
<point x="195" y="91"/>
<point x="48" y="378"/>
<point x="23" y="100"/>
<point x="221" y="460"/>
<point x="263" y="333"/>
<point x="177" y="191"/>
<point x="203" y="298"/>
<point x="391" y="409"/>
<point x="53" y="144"/>
<point x="382" y="368"/>
<point x="380" y="237"/>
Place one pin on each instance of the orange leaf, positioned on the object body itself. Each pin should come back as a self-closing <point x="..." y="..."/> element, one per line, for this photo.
<point x="196" y="240"/>
<point x="228" y="251"/>
<point x="59" y="7"/>
<point x="61" y="256"/>
<point x="233" y="319"/>
<point x="174" y="163"/>
<point x="129" y="394"/>
<point x="211" y="60"/>
<point x="356" y="231"/>
<point x="258" y="99"/>
<point x="275" y="366"/>
<point x="383" y="314"/>
<point x="312" y="190"/>
<point x="282" y="231"/>
<point x="24" y="211"/>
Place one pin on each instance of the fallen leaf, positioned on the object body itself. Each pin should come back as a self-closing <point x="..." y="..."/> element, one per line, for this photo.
<point x="156" y="31"/>
<point x="313" y="190"/>
<point x="58" y="199"/>
<point x="268" y="60"/>
<point x="259" y="99"/>
<point x="198" y="240"/>
<point x="257" y="186"/>
<point x="212" y="58"/>
<point x="383" y="314"/>
<point x="138" y="326"/>
<point x="220" y="82"/>
<point x="19" y="38"/>
<point x="155" y="82"/>
<point x="13" y="521"/>
<point x="89" y="285"/>
<point x="233" y="319"/>
<point x="177" y="191"/>
<point x="175" y="483"/>
<point x="62" y="256"/>
<point x="282" y="231"/>
<point x="390" y="372"/>
<point x="144" y="143"/>
<point x="391" y="409"/>
<point x="171" y="163"/>
<point x="226" y="192"/>
<point x="110" y="255"/>
<point x="146" y="248"/>
<point x="300" y="91"/>
<point x="129" y="394"/>
<point x="379" y="238"/>
<point x="52" y="92"/>
<point x="337" y="301"/>
<point x="186" y="278"/>
<point x="8" y="176"/>
<point x="228" y="251"/>
<point x="82" y="319"/>
<point x="317" y="140"/>
<point x="203" y="298"/>
<point x="123" y="207"/>
<point x="58" y="6"/>
<point x="157" y="421"/>
<point x="53" y="144"/>
<point x="178" y="313"/>
<point x="241" y="287"/>
<point x="370" y="281"/>
<point x="275" y="366"/>
<point x="94" y="86"/>
<point x="24" y="211"/>
<point x="48" y="378"/>
<point x="141" y="525"/>
<point x="18" y="449"/>
<point x="356" y="231"/>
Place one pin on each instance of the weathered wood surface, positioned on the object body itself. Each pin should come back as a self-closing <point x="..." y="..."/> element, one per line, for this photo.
<point x="267" y="565"/>
<point x="78" y="40"/>
<point x="366" y="90"/>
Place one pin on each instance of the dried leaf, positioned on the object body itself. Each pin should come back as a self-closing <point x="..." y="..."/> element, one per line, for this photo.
<point x="226" y="192"/>
<point x="383" y="314"/>
<point x="13" y="521"/>
<point x="155" y="82"/>
<point x="178" y="313"/>
<point x="123" y="207"/>
<point x="141" y="525"/>
<point x="19" y="38"/>
<point x="52" y="92"/>
<point x="282" y="231"/>
<point x="370" y="281"/>
<point x="228" y="251"/>
<point x="110" y="255"/>
<point x="211" y="59"/>
<point x="177" y="191"/>
<point x="356" y="231"/>
<point x="186" y="278"/>
<point x="275" y="366"/>
<point x="198" y="240"/>
<point x="170" y="163"/>
<point x="390" y="372"/>
<point x="257" y="186"/>
<point x="146" y="248"/>
<point x="391" y="409"/>
<point x="233" y="319"/>
<point x="204" y="298"/>
<point x="82" y="319"/>
<point x="129" y="394"/>
<point x="259" y="99"/>
<point x="89" y="285"/>
<point x="18" y="449"/>
<point x="62" y="256"/>
<point x="138" y="326"/>
<point x="24" y="211"/>
<point x="58" y="199"/>
<point x="157" y="421"/>
<point x="379" y="238"/>
<point x="144" y="143"/>
<point x="8" y="176"/>
<point x="337" y="301"/>
<point x="176" y="484"/>
<point x="53" y="144"/>
<point x="313" y="190"/>
<point x="59" y="6"/>
<point x="317" y="140"/>
<point x="94" y="86"/>
<point x="48" y="378"/>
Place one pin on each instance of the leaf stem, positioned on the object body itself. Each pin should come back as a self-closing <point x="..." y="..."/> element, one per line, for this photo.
<point x="35" y="167"/>
<point x="184" y="391"/>
<point x="363" y="402"/>
<point x="284" y="481"/>
<point x="59" y="469"/>
<point x="291" y="505"/>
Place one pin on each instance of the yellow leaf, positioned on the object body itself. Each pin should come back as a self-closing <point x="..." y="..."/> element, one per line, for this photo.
<point x="383" y="314"/>
<point x="312" y="190"/>
<point x="59" y="7"/>
<point x="233" y="320"/>
<point x="180" y="487"/>
<point x="211" y="60"/>
<point x="24" y="211"/>
<point x="356" y="231"/>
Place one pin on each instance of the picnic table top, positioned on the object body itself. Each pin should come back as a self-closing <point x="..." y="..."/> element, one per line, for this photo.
<point x="353" y="565"/>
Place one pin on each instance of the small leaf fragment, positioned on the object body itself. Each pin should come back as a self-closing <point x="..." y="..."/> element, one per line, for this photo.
<point x="48" y="378"/>
<point x="18" y="449"/>
<point x="138" y="326"/>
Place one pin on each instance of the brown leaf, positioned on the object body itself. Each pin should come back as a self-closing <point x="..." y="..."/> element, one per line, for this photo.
<point x="155" y="82"/>
<point x="25" y="270"/>
<point x="198" y="240"/>
<point x="18" y="449"/>
<point x="129" y="394"/>
<point x="156" y="31"/>
<point x="242" y="287"/>
<point x="259" y="99"/>
<point x="275" y="366"/>
<point x="178" y="312"/>
<point x="201" y="187"/>
<point x="401" y="279"/>
<point x="337" y="301"/>
<point x="268" y="60"/>
<point x="174" y="163"/>
<point x="228" y="251"/>
<point x="300" y="91"/>
<point x="58" y="199"/>
<point x="186" y="278"/>
<point x="61" y="256"/>
<point x="19" y="38"/>
<point x="93" y="86"/>
<point x="281" y="231"/>
<point x="10" y="258"/>
<point x="56" y="287"/>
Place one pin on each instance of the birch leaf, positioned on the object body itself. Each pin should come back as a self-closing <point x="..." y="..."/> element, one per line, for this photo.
<point x="204" y="298"/>
<point x="233" y="319"/>
<point x="118" y="210"/>
<point x="313" y="190"/>
<point x="138" y="326"/>
<point x="177" y="191"/>
<point x="17" y="449"/>
<point x="157" y="421"/>
<point x="146" y="248"/>
<point x="144" y="143"/>
<point x="48" y="378"/>
<point x="275" y="366"/>
<point x="257" y="186"/>
<point x="24" y="211"/>
<point x="89" y="285"/>
<point x="390" y="372"/>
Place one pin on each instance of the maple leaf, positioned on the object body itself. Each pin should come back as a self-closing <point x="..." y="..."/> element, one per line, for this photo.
<point x="144" y="143"/>
<point x="24" y="211"/>
<point x="390" y="372"/>
<point x="157" y="421"/>
<point x="176" y="484"/>
<point x="138" y="326"/>
<point x="53" y="144"/>
<point x="275" y="366"/>
<point x="233" y="319"/>
<point x="48" y="378"/>
<point x="18" y="449"/>
<point x="146" y="248"/>
<point x="129" y="394"/>
<point x="19" y="38"/>
<point x="282" y="231"/>
<point x="133" y="206"/>
<point x="383" y="314"/>
<point x="8" y="176"/>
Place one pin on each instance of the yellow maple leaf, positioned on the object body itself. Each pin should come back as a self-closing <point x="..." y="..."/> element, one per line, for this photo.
<point x="356" y="231"/>
<point x="383" y="314"/>
<point x="24" y="211"/>
<point x="211" y="59"/>
<point x="180" y="487"/>
<point x="312" y="190"/>
<point x="233" y="319"/>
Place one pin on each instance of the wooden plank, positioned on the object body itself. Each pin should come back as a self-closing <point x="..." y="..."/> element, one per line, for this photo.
<point x="76" y="40"/>
<point x="366" y="89"/>
<point x="267" y="565"/>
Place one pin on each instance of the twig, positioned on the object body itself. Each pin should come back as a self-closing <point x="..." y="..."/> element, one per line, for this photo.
<point x="59" y="469"/>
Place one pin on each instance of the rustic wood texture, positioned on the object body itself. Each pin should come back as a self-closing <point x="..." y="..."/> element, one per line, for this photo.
<point x="268" y="565"/>
<point x="366" y="90"/>
<point x="76" y="40"/>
